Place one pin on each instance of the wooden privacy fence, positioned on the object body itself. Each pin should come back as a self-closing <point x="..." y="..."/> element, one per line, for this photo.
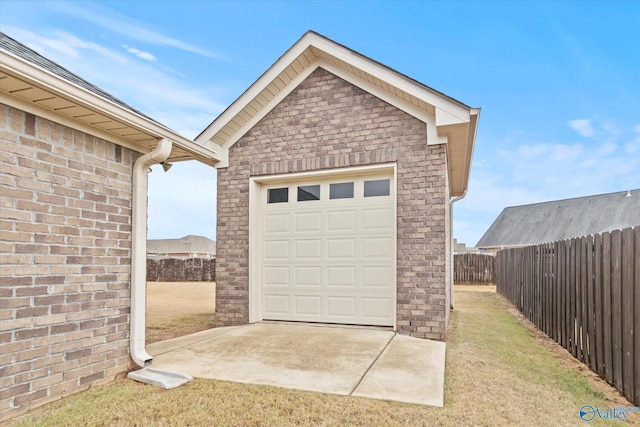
<point x="474" y="268"/>
<point x="585" y="294"/>
<point x="181" y="270"/>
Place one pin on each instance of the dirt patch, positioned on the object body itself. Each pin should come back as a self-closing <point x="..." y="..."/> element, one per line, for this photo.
<point x="175" y="309"/>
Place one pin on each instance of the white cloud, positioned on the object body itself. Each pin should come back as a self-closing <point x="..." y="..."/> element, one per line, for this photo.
<point x="582" y="126"/>
<point x="537" y="171"/>
<point x="126" y="26"/>
<point x="140" y="54"/>
<point x="150" y="88"/>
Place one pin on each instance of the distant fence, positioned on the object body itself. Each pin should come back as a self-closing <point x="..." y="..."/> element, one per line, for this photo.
<point x="181" y="270"/>
<point x="585" y="294"/>
<point x="474" y="268"/>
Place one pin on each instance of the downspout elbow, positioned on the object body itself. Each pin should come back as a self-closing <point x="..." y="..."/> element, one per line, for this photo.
<point x="139" y="250"/>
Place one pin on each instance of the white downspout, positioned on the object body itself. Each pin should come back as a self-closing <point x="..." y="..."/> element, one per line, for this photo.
<point x="139" y="250"/>
<point x="452" y="273"/>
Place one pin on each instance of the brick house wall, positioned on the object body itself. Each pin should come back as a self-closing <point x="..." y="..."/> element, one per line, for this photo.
<point x="65" y="243"/>
<point x="328" y="123"/>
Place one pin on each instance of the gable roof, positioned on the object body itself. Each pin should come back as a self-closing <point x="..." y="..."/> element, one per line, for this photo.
<point x="33" y="83"/>
<point x="448" y="120"/>
<point x="186" y="244"/>
<point x="563" y="219"/>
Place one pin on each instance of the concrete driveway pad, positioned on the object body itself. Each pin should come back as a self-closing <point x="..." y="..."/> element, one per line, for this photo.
<point x="362" y="362"/>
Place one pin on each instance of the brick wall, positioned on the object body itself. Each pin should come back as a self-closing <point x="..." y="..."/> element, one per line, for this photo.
<point x="65" y="240"/>
<point x="328" y="123"/>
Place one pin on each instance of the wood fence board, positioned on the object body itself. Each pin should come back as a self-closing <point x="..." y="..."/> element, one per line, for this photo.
<point x="627" y="313"/>
<point x="597" y="304"/>
<point x="562" y="295"/>
<point x="580" y="306"/>
<point x="590" y="314"/>
<point x="573" y="291"/>
<point x="636" y="322"/>
<point x="616" y="309"/>
<point x="606" y="304"/>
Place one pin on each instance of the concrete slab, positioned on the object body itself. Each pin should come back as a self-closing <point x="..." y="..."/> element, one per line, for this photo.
<point x="328" y="359"/>
<point x="323" y="359"/>
<point x="409" y="370"/>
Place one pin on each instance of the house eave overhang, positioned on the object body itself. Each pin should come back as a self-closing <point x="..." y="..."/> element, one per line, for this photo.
<point x="448" y="121"/>
<point x="35" y="90"/>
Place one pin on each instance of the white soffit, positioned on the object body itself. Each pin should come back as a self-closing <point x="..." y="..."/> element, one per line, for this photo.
<point x="455" y="121"/>
<point x="30" y="88"/>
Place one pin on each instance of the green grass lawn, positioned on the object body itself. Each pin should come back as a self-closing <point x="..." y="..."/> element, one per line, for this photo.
<point x="497" y="375"/>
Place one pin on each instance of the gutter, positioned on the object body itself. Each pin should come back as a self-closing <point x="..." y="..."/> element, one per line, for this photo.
<point x="139" y="250"/>
<point x="452" y="276"/>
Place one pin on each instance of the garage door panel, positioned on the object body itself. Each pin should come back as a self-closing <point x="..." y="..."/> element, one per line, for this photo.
<point x="308" y="305"/>
<point x="276" y="250"/>
<point x="308" y="276"/>
<point x="343" y="220"/>
<point x="376" y="276"/>
<point x="308" y="222"/>
<point x="276" y="304"/>
<point x="276" y="276"/>
<point x="276" y="223"/>
<point x="377" y="308"/>
<point x="377" y="247"/>
<point x="344" y="277"/>
<point x="377" y="219"/>
<point x="308" y="249"/>
<point x="341" y="248"/>
<point x="341" y="306"/>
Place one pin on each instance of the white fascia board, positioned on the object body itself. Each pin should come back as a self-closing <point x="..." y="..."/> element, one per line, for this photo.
<point x="253" y="91"/>
<point x="37" y="76"/>
<point x="376" y="91"/>
<point x="392" y="78"/>
<point x="224" y="154"/>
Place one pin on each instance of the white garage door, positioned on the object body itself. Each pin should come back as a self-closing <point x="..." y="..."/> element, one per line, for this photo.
<point x="328" y="250"/>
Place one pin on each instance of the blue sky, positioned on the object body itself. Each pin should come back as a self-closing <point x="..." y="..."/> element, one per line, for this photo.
<point x="558" y="82"/>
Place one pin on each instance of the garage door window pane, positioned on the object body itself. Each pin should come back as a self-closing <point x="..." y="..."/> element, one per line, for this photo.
<point x="308" y="192"/>
<point x="278" y="195"/>
<point x="379" y="187"/>
<point x="343" y="190"/>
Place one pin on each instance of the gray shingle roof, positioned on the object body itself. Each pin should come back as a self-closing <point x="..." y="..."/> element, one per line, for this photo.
<point x="186" y="244"/>
<point x="15" y="47"/>
<point x="563" y="219"/>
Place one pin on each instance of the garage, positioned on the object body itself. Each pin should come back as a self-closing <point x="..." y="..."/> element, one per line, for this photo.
<point x="395" y="154"/>
<point x="327" y="248"/>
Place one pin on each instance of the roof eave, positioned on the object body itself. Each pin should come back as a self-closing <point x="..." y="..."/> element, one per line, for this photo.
<point x="24" y="70"/>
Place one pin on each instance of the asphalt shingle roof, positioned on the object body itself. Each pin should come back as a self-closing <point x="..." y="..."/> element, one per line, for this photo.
<point x="563" y="219"/>
<point x="15" y="47"/>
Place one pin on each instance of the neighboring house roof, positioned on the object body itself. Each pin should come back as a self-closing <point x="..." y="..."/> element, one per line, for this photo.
<point x="448" y="120"/>
<point x="33" y="83"/>
<point x="187" y="244"/>
<point x="563" y="219"/>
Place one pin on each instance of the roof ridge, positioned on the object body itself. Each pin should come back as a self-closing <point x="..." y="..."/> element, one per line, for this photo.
<point x="573" y="198"/>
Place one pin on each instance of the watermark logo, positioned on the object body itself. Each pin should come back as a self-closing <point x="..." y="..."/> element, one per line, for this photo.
<point x="589" y="413"/>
